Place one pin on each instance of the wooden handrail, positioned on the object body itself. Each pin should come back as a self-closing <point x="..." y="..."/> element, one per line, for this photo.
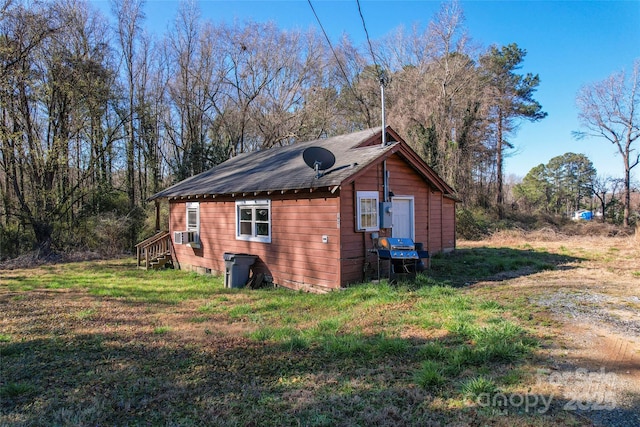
<point x="153" y="239"/>
<point x="153" y="247"/>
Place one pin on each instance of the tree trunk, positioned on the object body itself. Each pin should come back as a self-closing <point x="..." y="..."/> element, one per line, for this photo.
<point x="627" y="192"/>
<point x="131" y="166"/>
<point x="42" y="232"/>
<point x="500" y="196"/>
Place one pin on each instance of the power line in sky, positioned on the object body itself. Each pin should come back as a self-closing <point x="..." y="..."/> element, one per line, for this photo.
<point x="373" y="56"/>
<point x="383" y="81"/>
<point x="344" y="73"/>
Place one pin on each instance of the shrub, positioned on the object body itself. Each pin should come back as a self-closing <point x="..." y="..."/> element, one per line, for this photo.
<point x="12" y="390"/>
<point x="296" y="343"/>
<point x="471" y="225"/>
<point x="433" y="351"/>
<point x="14" y="241"/>
<point x="477" y="386"/>
<point x="430" y="376"/>
<point x="111" y="233"/>
<point x="391" y="346"/>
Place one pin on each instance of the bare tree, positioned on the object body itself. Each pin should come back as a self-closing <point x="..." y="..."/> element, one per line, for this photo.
<point x="435" y="96"/>
<point x="357" y="83"/>
<point x="193" y="60"/>
<point x="279" y="112"/>
<point x="402" y="48"/>
<point x="610" y="109"/>
<point x="604" y="189"/>
<point x="129" y="14"/>
<point x="22" y="31"/>
<point x="266" y="77"/>
<point x="48" y="94"/>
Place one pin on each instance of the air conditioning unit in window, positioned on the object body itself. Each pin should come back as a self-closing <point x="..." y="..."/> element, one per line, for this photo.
<point x="186" y="238"/>
<point x="180" y="237"/>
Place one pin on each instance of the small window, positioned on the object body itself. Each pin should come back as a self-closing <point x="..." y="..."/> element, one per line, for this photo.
<point x="367" y="210"/>
<point x="193" y="216"/>
<point x="253" y="220"/>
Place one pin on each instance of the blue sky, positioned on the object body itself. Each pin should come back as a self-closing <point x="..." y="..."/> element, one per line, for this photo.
<point x="568" y="43"/>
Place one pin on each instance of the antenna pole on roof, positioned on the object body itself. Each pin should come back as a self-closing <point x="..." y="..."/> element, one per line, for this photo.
<point x="383" y="83"/>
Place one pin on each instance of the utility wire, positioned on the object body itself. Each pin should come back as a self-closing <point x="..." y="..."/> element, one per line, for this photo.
<point x="358" y="97"/>
<point x="381" y="76"/>
<point x="344" y="73"/>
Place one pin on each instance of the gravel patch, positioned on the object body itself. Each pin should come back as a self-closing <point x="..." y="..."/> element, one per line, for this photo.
<point x="618" y="417"/>
<point x="614" y="314"/>
<point x="593" y="307"/>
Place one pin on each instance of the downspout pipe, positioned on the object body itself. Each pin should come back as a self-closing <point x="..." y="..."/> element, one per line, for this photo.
<point x="384" y="133"/>
<point x="385" y="180"/>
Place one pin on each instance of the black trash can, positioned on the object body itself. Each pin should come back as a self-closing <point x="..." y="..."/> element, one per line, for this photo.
<point x="237" y="267"/>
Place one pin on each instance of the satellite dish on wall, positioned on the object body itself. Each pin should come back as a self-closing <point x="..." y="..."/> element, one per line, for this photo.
<point x="318" y="159"/>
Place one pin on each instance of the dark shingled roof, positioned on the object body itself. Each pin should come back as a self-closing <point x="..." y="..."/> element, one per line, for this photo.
<point x="283" y="168"/>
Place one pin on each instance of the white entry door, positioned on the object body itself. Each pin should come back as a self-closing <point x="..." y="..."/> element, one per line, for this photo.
<point x="402" y="217"/>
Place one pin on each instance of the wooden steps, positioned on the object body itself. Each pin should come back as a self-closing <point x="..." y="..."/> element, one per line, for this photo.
<point x="155" y="252"/>
<point x="161" y="261"/>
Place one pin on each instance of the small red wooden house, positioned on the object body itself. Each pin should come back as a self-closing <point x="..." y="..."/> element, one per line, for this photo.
<point x="308" y="230"/>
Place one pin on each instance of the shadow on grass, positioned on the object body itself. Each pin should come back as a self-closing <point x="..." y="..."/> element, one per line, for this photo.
<point x="318" y="372"/>
<point x="106" y="379"/>
<point x="468" y="266"/>
<point x="65" y="376"/>
<point x="116" y="279"/>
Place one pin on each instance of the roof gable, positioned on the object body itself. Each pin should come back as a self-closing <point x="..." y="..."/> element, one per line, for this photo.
<point x="283" y="168"/>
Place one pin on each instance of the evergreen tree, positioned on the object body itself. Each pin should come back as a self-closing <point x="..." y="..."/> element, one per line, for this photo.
<point x="509" y="99"/>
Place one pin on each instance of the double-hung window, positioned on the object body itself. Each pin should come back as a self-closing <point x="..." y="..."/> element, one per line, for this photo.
<point x="367" y="203"/>
<point x="193" y="224"/>
<point x="253" y="220"/>
<point x="193" y="216"/>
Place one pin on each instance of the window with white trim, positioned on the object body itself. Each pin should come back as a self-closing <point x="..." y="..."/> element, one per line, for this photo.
<point x="253" y="220"/>
<point x="193" y="216"/>
<point x="191" y="236"/>
<point x="367" y="203"/>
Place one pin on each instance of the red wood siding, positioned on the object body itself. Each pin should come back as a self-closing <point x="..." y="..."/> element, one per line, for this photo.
<point x="357" y="261"/>
<point x="296" y="256"/>
<point x="404" y="181"/>
<point x="435" y="222"/>
<point x="448" y="224"/>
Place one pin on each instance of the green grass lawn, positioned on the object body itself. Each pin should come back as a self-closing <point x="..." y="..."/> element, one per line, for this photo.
<point x="104" y="343"/>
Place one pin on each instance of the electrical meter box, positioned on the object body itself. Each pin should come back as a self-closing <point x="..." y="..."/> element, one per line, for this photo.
<point x="385" y="215"/>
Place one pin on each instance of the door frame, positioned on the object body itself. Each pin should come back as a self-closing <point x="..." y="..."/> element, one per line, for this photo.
<point x="412" y="214"/>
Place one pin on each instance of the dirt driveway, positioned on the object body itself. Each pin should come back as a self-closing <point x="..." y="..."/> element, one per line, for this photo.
<point x="593" y="365"/>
